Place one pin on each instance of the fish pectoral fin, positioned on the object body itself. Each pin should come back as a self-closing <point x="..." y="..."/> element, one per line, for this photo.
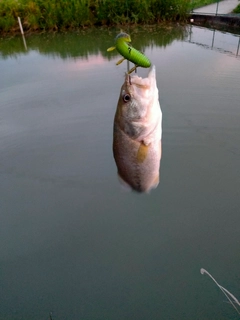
<point x="111" y="49"/>
<point x="142" y="153"/>
<point x="120" y="61"/>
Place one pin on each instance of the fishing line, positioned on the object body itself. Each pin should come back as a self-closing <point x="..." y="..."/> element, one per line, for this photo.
<point x="128" y="62"/>
<point x="224" y="291"/>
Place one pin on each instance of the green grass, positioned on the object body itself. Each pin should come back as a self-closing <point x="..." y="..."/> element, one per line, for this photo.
<point x="68" y="14"/>
<point x="237" y="9"/>
<point x="195" y="4"/>
<point x="43" y="14"/>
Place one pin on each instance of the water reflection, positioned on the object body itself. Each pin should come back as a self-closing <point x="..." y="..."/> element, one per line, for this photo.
<point x="138" y="132"/>
<point x="83" y="43"/>
<point x="215" y="40"/>
<point x="70" y="241"/>
<point x="86" y="43"/>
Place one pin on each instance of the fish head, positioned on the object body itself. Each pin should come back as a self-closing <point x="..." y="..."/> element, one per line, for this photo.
<point x="138" y="104"/>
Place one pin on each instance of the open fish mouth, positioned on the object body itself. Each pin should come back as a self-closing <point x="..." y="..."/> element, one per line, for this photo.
<point x="141" y="88"/>
<point x="142" y="82"/>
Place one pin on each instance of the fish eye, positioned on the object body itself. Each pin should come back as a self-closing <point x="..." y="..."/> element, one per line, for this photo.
<point x="126" y="97"/>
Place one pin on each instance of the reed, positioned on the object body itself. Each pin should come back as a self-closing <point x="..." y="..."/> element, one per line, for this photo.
<point x="67" y="14"/>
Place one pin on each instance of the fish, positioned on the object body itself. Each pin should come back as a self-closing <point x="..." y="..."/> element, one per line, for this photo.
<point x="137" y="132"/>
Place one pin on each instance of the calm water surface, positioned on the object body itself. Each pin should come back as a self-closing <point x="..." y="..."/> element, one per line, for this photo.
<point x="72" y="241"/>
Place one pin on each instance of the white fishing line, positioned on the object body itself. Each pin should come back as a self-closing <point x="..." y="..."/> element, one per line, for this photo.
<point x="225" y="291"/>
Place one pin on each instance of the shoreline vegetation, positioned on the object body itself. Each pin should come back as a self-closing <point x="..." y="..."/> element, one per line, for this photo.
<point x="237" y="9"/>
<point x="58" y="15"/>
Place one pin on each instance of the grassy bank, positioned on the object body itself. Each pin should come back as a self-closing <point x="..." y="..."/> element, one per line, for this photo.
<point x="67" y="14"/>
<point x="71" y="14"/>
<point x="237" y="9"/>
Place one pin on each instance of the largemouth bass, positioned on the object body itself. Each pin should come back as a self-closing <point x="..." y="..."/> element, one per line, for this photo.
<point x="137" y="132"/>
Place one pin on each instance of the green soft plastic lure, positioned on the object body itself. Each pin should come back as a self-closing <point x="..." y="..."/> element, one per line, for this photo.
<point x="128" y="52"/>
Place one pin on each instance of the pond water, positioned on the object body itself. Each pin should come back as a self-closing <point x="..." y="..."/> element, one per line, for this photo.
<point x="73" y="242"/>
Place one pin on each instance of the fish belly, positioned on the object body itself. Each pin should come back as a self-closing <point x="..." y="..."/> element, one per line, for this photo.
<point x="138" y="164"/>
